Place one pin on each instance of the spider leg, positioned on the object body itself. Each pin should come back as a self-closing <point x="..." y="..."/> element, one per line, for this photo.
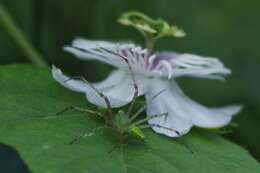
<point x="139" y="122"/>
<point x="110" y="114"/>
<point x="186" y="145"/>
<point x="159" y="126"/>
<point x="171" y="129"/>
<point x="76" y="139"/>
<point x="130" y="109"/>
<point x="145" y="106"/>
<point x="57" y="115"/>
<point x="85" y="134"/>
<point x="80" y="110"/>
<point x="113" y="148"/>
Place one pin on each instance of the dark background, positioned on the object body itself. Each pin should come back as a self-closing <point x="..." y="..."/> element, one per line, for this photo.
<point x="228" y="29"/>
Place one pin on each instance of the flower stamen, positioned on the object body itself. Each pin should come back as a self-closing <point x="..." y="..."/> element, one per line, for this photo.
<point x="166" y="65"/>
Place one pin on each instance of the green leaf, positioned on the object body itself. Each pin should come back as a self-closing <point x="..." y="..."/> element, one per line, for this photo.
<point x="30" y="98"/>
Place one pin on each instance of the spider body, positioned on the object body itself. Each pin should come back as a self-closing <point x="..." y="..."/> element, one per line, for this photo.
<point x="125" y="127"/>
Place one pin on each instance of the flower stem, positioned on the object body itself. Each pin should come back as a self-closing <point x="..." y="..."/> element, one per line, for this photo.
<point x="149" y="44"/>
<point x="18" y="37"/>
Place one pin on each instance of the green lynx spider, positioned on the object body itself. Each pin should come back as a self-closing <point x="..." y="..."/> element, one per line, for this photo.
<point x="124" y="123"/>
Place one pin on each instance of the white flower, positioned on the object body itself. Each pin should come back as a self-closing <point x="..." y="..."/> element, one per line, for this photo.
<point x="152" y="74"/>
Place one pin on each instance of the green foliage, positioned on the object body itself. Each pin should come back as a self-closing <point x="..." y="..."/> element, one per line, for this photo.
<point x="18" y="37"/>
<point x="29" y="100"/>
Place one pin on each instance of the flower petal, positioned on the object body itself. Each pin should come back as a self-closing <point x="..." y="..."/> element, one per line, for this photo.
<point x="119" y="93"/>
<point x="182" y="111"/>
<point x="167" y="102"/>
<point x="189" y="65"/>
<point x="203" y="67"/>
<point x="202" y="116"/>
<point x="68" y="82"/>
<point x="118" y="87"/>
<point x="110" y="53"/>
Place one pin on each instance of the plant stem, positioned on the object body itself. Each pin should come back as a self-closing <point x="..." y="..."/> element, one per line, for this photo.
<point x="149" y="44"/>
<point x="18" y="37"/>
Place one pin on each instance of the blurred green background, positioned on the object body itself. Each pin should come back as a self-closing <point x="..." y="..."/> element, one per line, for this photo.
<point x="228" y="29"/>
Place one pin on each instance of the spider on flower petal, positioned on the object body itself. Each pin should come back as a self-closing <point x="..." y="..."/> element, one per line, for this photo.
<point x="123" y="122"/>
